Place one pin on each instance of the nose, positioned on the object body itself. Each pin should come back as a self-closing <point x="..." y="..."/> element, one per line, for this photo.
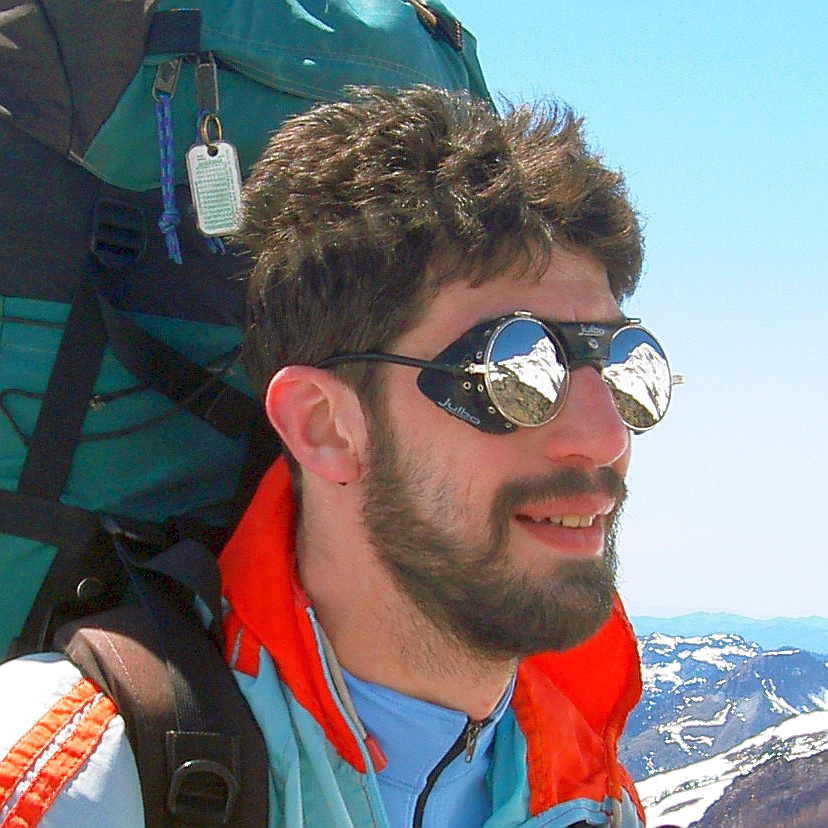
<point x="588" y="428"/>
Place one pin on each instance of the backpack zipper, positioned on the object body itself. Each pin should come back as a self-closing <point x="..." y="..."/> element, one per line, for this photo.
<point x="466" y="743"/>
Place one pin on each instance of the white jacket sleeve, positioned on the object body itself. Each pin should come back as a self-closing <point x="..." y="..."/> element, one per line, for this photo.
<point x="65" y="761"/>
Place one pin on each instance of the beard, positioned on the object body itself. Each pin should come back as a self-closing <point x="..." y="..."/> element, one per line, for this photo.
<point x="475" y="592"/>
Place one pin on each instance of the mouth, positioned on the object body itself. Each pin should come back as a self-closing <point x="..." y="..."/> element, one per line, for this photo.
<point x="575" y="529"/>
<point x="567" y="521"/>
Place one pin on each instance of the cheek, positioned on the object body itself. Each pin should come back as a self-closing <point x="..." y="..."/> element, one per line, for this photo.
<point x="464" y="467"/>
<point x="460" y="469"/>
<point x="478" y="465"/>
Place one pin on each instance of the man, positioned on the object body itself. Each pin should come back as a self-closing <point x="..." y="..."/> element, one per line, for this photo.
<point x="421" y="610"/>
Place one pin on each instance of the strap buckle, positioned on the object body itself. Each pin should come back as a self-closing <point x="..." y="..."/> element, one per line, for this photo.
<point x="119" y="234"/>
<point x="202" y="791"/>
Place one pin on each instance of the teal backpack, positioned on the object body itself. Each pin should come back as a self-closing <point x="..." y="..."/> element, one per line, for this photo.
<point x="129" y="438"/>
<point x="120" y="323"/>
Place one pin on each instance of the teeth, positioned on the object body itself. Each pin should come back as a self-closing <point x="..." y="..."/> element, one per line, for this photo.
<point x="569" y="521"/>
<point x="577" y="521"/>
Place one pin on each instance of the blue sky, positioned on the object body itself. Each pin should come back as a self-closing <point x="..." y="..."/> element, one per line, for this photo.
<point x="718" y="114"/>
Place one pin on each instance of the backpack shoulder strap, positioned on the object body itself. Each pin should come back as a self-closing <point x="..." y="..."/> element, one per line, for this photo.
<point x="200" y="754"/>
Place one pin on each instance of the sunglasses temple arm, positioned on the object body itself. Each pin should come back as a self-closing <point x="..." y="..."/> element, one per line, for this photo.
<point x="397" y="359"/>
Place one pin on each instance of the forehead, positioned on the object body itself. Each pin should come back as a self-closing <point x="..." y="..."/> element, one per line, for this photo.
<point x="573" y="287"/>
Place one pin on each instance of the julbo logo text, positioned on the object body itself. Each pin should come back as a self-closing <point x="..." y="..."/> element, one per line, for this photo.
<point x="459" y="411"/>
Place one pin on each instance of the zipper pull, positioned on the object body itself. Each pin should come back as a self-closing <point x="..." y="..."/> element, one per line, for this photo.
<point x="207" y="93"/>
<point x="375" y="752"/>
<point x="472" y="735"/>
<point x="166" y="78"/>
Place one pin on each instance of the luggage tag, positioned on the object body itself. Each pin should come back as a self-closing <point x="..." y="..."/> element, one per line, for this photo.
<point x="215" y="180"/>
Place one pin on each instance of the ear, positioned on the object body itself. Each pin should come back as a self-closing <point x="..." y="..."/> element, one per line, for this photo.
<point x="320" y="421"/>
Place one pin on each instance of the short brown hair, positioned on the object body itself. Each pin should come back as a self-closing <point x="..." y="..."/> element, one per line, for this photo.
<point x="358" y="212"/>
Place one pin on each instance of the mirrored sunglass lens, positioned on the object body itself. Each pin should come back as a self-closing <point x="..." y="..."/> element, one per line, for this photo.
<point x="639" y="376"/>
<point x="526" y="375"/>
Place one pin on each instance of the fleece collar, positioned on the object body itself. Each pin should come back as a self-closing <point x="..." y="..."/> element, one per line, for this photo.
<point x="571" y="706"/>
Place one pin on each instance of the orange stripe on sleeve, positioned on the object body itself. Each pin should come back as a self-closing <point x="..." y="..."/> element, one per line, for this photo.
<point x="19" y="760"/>
<point x="94" y="712"/>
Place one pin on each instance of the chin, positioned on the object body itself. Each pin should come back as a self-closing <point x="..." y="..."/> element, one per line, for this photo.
<point x="526" y="614"/>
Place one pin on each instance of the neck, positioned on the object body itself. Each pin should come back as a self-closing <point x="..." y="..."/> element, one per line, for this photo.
<point x="380" y="636"/>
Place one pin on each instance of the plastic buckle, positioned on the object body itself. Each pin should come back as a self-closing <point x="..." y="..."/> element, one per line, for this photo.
<point x="149" y="537"/>
<point x="202" y="792"/>
<point x="119" y="234"/>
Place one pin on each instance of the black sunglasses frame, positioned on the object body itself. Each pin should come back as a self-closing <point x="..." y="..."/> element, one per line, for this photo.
<point x="456" y="379"/>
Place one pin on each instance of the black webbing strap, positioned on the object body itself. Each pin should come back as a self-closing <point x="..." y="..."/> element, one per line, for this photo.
<point x="38" y="514"/>
<point x="66" y="400"/>
<point x="178" y="378"/>
<point x="175" y="31"/>
<point x="187" y="563"/>
<point x="47" y="521"/>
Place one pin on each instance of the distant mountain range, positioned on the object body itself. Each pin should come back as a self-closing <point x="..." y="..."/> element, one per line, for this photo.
<point x="728" y="734"/>
<point x="704" y="694"/>
<point x="809" y="633"/>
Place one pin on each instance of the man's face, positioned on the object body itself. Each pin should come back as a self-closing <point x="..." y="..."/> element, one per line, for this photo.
<point x="504" y="542"/>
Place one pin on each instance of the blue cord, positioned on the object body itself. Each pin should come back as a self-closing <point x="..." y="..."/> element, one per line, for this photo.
<point x="170" y="217"/>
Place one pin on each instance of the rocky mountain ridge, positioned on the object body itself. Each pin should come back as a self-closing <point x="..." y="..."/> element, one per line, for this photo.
<point x="705" y="694"/>
<point x="778" y="776"/>
<point x="789" y="792"/>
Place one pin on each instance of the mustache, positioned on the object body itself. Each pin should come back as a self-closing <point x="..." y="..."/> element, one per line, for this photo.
<point x="564" y="483"/>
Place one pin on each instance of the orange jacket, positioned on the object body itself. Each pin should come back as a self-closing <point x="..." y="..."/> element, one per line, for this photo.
<point x="571" y="707"/>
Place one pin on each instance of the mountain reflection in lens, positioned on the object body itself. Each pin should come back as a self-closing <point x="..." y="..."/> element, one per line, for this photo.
<point x="639" y="377"/>
<point x="526" y="376"/>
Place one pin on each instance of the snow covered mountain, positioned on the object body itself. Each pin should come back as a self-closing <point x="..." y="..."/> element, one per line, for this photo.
<point x="777" y="778"/>
<point x="703" y="695"/>
<point x="809" y="633"/>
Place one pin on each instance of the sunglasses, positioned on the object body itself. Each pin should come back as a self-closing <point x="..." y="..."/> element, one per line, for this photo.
<point x="515" y="371"/>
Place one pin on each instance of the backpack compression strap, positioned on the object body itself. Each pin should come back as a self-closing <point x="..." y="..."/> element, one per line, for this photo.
<point x="200" y="754"/>
<point x="35" y="510"/>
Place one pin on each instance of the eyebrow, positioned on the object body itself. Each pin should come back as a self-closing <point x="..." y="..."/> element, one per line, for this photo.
<point x="617" y="321"/>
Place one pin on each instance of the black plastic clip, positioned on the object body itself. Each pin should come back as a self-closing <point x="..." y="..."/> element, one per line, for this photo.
<point x="119" y="234"/>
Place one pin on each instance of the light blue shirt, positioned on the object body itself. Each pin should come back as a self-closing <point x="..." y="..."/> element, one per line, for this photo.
<point x="416" y="738"/>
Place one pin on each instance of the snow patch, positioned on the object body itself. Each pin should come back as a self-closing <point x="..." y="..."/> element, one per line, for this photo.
<point x="682" y="796"/>
<point x="718" y="656"/>
<point x="656" y="674"/>
<point x="820" y="701"/>
<point x="778" y="704"/>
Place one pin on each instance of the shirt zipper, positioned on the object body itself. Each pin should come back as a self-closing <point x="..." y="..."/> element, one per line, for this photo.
<point x="465" y="742"/>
